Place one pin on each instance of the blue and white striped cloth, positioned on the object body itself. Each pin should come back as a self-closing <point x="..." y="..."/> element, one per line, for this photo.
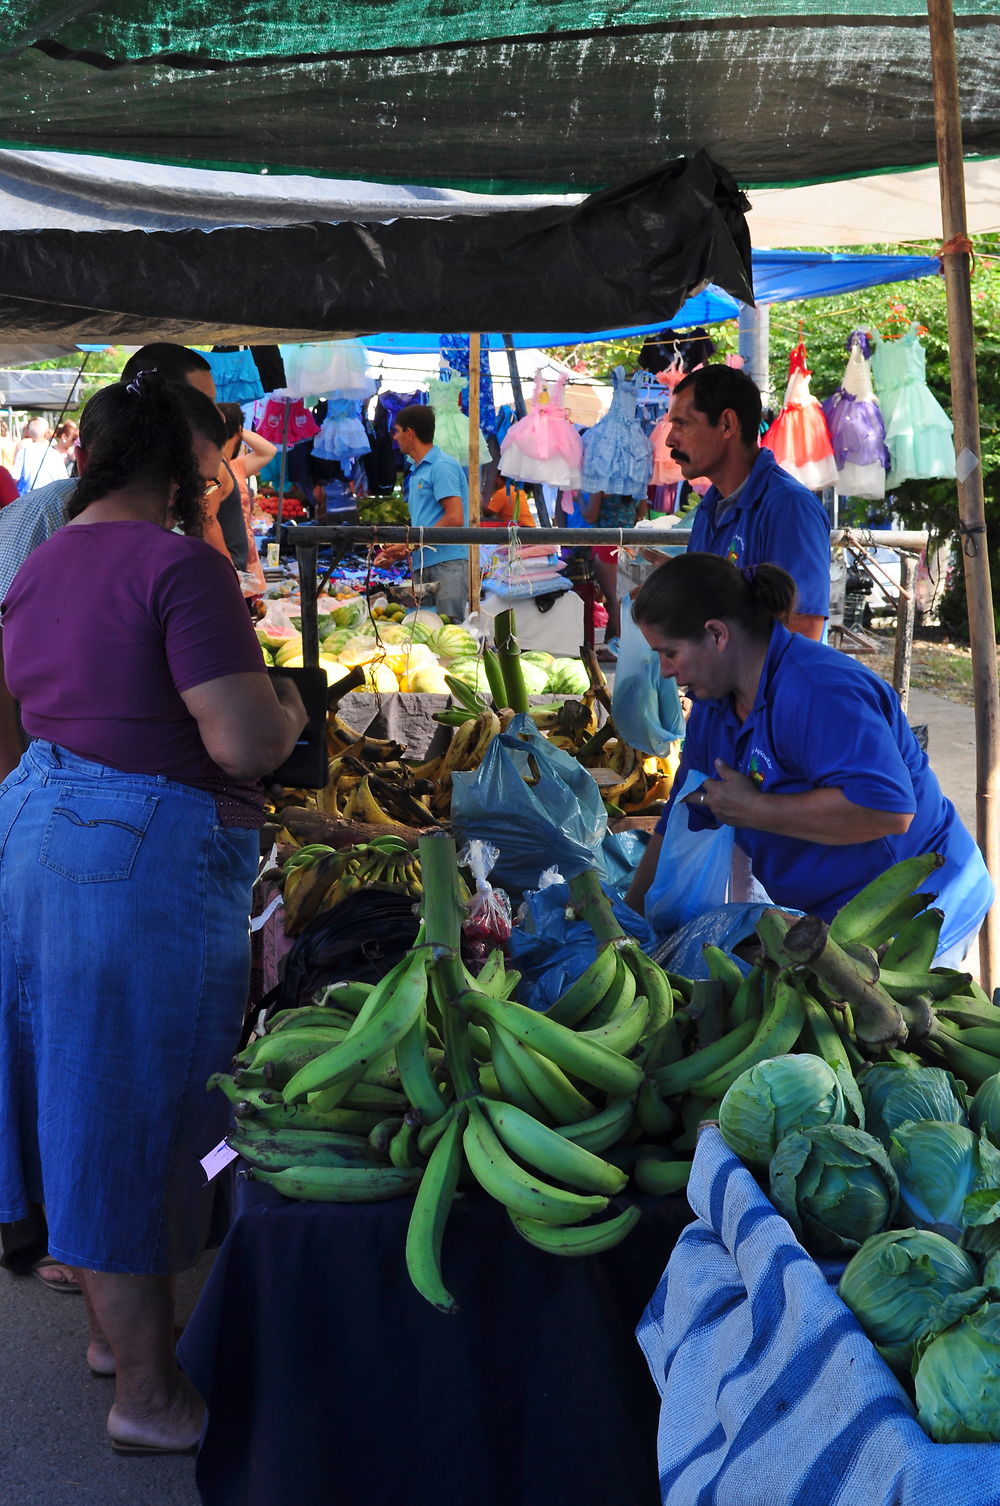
<point x="771" y="1393"/>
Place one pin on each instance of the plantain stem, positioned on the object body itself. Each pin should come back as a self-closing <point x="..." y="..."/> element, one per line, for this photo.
<point x="877" y="1020"/>
<point x="442" y="914"/>
<point x="494" y="679"/>
<point x="509" y="660"/>
<point x="592" y="905"/>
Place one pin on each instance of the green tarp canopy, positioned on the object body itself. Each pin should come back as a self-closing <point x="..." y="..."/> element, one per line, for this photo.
<point x="524" y="95"/>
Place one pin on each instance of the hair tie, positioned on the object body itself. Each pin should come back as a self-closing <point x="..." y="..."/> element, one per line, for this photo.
<point x="134" y="385"/>
<point x="749" y="574"/>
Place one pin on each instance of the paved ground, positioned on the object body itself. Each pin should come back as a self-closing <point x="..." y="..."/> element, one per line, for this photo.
<point x="52" y="1413"/>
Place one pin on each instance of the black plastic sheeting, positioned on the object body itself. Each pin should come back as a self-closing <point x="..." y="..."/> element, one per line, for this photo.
<point x="631" y="254"/>
<point x="780" y="98"/>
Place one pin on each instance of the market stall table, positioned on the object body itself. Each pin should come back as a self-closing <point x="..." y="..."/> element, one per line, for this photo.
<point x="330" y="1382"/>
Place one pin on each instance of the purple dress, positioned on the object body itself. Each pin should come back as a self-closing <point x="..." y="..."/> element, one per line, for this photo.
<point x="856" y="426"/>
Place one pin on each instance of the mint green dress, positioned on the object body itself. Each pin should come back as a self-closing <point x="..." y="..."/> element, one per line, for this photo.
<point x="918" y="432"/>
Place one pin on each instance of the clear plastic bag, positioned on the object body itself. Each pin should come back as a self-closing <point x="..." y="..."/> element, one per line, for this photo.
<point x="488" y="920"/>
<point x="556" y="818"/>
<point x="645" y="708"/>
<point x="695" y="867"/>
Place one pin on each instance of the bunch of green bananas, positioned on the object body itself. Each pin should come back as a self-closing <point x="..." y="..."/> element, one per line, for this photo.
<point x="856" y="991"/>
<point x="317" y="877"/>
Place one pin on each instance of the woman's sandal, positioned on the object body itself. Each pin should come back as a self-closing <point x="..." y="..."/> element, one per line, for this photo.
<point x="66" y="1284"/>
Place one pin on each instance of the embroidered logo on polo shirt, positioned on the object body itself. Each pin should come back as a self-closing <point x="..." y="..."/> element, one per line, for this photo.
<point x="759" y="763"/>
<point x="735" y="551"/>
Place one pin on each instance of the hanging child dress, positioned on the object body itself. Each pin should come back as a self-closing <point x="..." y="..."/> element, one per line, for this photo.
<point x="857" y="427"/>
<point x="917" y="429"/>
<point x="617" y="458"/>
<point x="799" y="438"/>
<point x="451" y="425"/>
<point x="666" y="471"/>
<point x="343" y="436"/>
<point x="543" y="446"/>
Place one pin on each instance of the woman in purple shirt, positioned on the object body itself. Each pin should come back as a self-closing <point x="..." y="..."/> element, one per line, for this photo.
<point x="129" y="840"/>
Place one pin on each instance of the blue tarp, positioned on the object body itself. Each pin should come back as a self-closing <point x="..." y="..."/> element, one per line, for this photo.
<point x="778" y="277"/>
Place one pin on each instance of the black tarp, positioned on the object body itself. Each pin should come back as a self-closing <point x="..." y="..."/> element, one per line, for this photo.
<point x="500" y="95"/>
<point x="630" y="254"/>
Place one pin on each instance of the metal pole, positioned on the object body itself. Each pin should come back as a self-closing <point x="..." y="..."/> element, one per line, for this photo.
<point x="906" y="616"/>
<point x="520" y="410"/>
<point x="971" y="501"/>
<point x="273" y="560"/>
<point x="754" y="333"/>
<point x="475" y="511"/>
<point x="307" y="557"/>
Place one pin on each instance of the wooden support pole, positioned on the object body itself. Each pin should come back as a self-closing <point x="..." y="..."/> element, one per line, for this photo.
<point x="971" y="502"/>
<point x="475" y="511"/>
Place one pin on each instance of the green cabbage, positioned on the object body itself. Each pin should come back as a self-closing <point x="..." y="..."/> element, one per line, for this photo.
<point x="938" y="1165"/>
<point x="768" y="1101"/>
<point x="835" y="1186"/>
<point x="895" y="1284"/>
<point x="984" y="1111"/>
<point x="957" y="1379"/>
<point x="895" y="1093"/>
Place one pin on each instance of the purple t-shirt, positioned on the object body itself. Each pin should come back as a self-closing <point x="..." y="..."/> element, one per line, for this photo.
<point x="104" y="625"/>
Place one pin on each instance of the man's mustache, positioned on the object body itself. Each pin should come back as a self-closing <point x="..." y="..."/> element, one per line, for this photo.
<point x="680" y="455"/>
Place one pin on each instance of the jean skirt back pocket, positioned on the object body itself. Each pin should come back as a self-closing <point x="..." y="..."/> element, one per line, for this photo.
<point x="94" y="837"/>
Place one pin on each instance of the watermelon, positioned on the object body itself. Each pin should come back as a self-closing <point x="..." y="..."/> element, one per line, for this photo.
<point x="567" y="677"/>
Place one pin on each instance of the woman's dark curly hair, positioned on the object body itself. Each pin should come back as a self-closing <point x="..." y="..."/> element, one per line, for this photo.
<point x="140" y="431"/>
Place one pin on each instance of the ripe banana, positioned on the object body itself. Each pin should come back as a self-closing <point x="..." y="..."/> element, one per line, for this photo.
<point x="588" y="990"/>
<point x="431" y="1206"/>
<point x="864" y="916"/>
<point x="339" y="1184"/>
<point x="550" y="1153"/>
<point x="589" y="1060"/>
<point x="507" y="1182"/>
<point x="779" y="1029"/>
<point x="577" y="1239"/>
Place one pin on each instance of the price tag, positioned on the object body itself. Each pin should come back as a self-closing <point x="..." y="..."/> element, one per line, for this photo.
<point x="218" y="1159"/>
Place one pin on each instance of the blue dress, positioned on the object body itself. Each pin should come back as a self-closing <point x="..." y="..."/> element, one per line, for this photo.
<point x="617" y="454"/>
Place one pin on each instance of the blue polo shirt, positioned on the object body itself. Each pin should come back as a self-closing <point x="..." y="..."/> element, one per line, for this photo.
<point x="436" y="476"/>
<point x="822" y="720"/>
<point x="774" y="520"/>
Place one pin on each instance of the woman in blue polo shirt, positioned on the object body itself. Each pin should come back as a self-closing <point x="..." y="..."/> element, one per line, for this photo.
<point x="808" y="753"/>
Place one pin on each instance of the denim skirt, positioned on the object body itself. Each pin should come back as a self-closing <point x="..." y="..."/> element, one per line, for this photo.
<point x="124" y="964"/>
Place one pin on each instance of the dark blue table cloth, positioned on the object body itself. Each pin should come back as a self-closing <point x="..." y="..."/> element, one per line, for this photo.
<point x="330" y="1382"/>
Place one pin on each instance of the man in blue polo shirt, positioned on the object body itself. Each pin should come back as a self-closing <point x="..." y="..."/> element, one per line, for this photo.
<point x="437" y="497"/>
<point x="754" y="512"/>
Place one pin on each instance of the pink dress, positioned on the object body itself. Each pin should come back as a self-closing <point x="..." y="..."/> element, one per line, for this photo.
<point x="543" y="446"/>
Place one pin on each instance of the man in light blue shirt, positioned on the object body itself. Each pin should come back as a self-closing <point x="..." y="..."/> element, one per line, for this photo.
<point x="437" y="497"/>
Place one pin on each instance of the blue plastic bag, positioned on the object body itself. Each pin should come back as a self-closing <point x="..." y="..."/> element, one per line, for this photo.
<point x="695" y="867"/>
<point x="645" y="708"/>
<point x="558" y="820"/>
<point x="551" y="952"/>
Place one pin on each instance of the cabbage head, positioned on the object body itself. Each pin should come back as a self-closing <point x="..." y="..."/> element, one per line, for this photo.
<point x="835" y="1186"/>
<point x="895" y="1093"/>
<point x="938" y="1165"/>
<point x="984" y="1111"/>
<point x="957" y="1379"/>
<point x="768" y="1101"/>
<point x="895" y="1284"/>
